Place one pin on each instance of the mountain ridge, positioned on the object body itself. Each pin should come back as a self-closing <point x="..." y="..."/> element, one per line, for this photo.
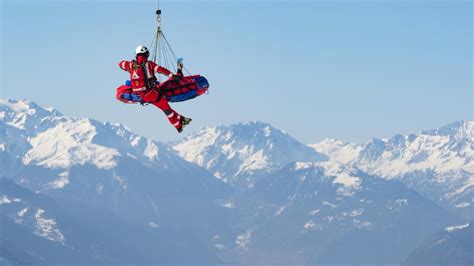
<point x="439" y="163"/>
<point x="240" y="152"/>
<point x="275" y="188"/>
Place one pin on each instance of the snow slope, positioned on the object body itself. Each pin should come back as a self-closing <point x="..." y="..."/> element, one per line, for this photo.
<point x="453" y="246"/>
<point x="302" y="209"/>
<point x="47" y="138"/>
<point x="39" y="230"/>
<point x="107" y="166"/>
<point x="326" y="209"/>
<point x="438" y="163"/>
<point x="238" y="153"/>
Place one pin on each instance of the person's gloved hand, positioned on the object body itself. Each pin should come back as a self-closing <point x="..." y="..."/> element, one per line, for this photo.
<point x="176" y="76"/>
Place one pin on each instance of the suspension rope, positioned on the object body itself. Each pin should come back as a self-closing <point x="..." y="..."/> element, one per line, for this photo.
<point x="168" y="58"/>
<point x="161" y="48"/>
<point x="160" y="79"/>
<point x="186" y="70"/>
<point x="169" y="46"/>
<point x="171" y="59"/>
<point x="155" y="44"/>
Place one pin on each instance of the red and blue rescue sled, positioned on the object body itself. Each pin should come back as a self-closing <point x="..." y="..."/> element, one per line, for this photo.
<point x="175" y="90"/>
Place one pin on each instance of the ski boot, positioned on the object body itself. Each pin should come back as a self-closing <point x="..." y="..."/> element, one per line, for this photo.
<point x="184" y="122"/>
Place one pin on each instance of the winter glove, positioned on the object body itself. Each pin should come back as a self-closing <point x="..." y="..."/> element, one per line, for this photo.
<point x="175" y="76"/>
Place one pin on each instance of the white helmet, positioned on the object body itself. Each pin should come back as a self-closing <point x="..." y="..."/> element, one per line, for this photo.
<point x="141" y="49"/>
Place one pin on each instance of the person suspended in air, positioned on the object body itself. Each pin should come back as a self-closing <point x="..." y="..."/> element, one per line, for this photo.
<point x="145" y="88"/>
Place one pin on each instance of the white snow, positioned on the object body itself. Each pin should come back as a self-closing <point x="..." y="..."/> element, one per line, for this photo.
<point x="462" y="205"/>
<point x="254" y="161"/>
<point x="330" y="204"/>
<point x="44" y="137"/>
<point x="244" y="239"/>
<point x="445" y="155"/>
<point x="337" y="150"/>
<point x="397" y="204"/>
<point x="312" y="225"/>
<point x="346" y="177"/>
<point x="4" y="200"/>
<point x="152" y="225"/>
<point x="401" y="202"/>
<point x="233" y="153"/>
<point x="229" y="205"/>
<point x="22" y="212"/>
<point x="354" y="213"/>
<point x="99" y="188"/>
<point x="267" y="131"/>
<point x="424" y="152"/>
<point x="342" y="173"/>
<point x="456" y="228"/>
<point x="193" y="148"/>
<point x="303" y="166"/>
<point x="69" y="144"/>
<point x="20" y="215"/>
<point x="122" y="182"/>
<point x="347" y="180"/>
<point x="441" y="241"/>
<point x="280" y="210"/>
<point x="61" y="182"/>
<point x="151" y="151"/>
<point x="21" y="110"/>
<point x="46" y="228"/>
<point x="17" y="106"/>
<point x="329" y="219"/>
<point x="361" y="224"/>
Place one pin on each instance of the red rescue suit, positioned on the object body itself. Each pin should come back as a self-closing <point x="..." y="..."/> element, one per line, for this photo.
<point x="144" y="83"/>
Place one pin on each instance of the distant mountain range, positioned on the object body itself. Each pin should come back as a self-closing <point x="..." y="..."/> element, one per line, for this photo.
<point x="315" y="212"/>
<point x="438" y="164"/>
<point x="82" y="190"/>
<point x="240" y="153"/>
<point x="452" y="246"/>
<point x="83" y="162"/>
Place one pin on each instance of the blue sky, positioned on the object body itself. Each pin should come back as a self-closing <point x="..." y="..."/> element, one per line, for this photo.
<point x="345" y="69"/>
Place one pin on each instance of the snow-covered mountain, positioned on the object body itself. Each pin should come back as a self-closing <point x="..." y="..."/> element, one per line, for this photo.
<point x="326" y="208"/>
<point x="452" y="246"/>
<point x="338" y="150"/>
<point x="66" y="178"/>
<point x="107" y="166"/>
<point x="240" y="152"/>
<point x="40" y="230"/>
<point x="45" y="137"/>
<point x="438" y="163"/>
<point x="37" y="229"/>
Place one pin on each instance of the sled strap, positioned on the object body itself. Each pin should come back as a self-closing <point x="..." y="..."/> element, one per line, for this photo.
<point x="150" y="82"/>
<point x="139" y="89"/>
<point x="145" y="73"/>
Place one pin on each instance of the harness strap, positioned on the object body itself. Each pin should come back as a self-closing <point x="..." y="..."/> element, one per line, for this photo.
<point x="145" y="73"/>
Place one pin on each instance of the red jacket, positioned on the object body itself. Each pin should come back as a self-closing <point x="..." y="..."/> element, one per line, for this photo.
<point x="137" y="76"/>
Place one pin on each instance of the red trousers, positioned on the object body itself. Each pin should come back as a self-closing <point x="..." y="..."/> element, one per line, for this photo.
<point x="159" y="100"/>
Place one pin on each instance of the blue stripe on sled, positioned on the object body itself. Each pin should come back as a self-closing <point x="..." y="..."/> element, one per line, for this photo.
<point x="182" y="97"/>
<point x="202" y="82"/>
<point x="131" y="97"/>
